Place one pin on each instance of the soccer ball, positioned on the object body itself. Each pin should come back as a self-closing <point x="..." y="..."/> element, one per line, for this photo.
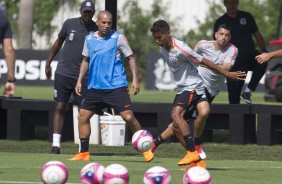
<point x="142" y="140"/>
<point x="54" y="172"/>
<point x="157" y="175"/>
<point x="116" y="174"/>
<point x="197" y="175"/>
<point x="92" y="173"/>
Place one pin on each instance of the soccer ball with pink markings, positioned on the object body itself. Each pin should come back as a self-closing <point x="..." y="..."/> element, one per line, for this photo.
<point x="196" y="175"/>
<point x="142" y="140"/>
<point x="54" y="172"/>
<point x="157" y="175"/>
<point x="116" y="174"/>
<point x="92" y="173"/>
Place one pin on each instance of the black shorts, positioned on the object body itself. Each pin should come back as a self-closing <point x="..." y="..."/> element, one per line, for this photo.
<point x="64" y="87"/>
<point x="188" y="100"/>
<point x="205" y="97"/>
<point x="97" y="100"/>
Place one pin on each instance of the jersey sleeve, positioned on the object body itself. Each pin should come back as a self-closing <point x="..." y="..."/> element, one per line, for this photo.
<point x="64" y="30"/>
<point x="191" y="55"/>
<point x="253" y="24"/>
<point x="199" y="47"/>
<point x="123" y="46"/>
<point x="85" y="51"/>
<point x="231" y="55"/>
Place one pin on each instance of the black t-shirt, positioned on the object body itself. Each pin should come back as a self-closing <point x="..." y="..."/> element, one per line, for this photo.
<point x="73" y="33"/>
<point x="5" y="27"/>
<point x="243" y="26"/>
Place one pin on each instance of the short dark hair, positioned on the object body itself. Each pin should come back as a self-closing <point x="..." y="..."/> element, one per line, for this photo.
<point x="224" y="26"/>
<point x="160" y="26"/>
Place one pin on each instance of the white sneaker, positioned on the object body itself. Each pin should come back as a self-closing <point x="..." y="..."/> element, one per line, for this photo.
<point x="201" y="152"/>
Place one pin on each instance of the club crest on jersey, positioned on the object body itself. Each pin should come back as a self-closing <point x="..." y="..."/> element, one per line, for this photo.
<point x="243" y="21"/>
<point x="88" y="37"/>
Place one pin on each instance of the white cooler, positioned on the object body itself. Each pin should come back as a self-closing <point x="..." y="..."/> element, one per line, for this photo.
<point x="95" y="136"/>
<point x="112" y="130"/>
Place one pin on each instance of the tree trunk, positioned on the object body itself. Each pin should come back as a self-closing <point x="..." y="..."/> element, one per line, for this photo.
<point x="26" y="10"/>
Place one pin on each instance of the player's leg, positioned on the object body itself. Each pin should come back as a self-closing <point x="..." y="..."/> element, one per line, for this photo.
<point x="258" y="72"/>
<point x="203" y="109"/>
<point x="234" y="91"/>
<point x="62" y="93"/>
<point x="180" y="106"/>
<point x="84" y="134"/>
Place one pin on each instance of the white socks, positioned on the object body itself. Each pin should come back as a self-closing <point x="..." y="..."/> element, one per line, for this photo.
<point x="56" y="140"/>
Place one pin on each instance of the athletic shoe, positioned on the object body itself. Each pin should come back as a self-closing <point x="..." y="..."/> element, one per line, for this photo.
<point x="148" y="155"/>
<point x="55" y="150"/>
<point x="81" y="156"/>
<point x="201" y="152"/>
<point x="246" y="97"/>
<point x="199" y="163"/>
<point x="189" y="158"/>
<point x="153" y="146"/>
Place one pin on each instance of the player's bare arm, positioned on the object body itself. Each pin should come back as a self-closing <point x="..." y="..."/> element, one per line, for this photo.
<point x="55" y="49"/>
<point x="265" y="57"/>
<point x="133" y="68"/>
<point x="238" y="75"/>
<point x="82" y="71"/>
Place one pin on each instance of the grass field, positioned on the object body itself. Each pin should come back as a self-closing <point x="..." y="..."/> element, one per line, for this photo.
<point x="46" y="93"/>
<point x="20" y="162"/>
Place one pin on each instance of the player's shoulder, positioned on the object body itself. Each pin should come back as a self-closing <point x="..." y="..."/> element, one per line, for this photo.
<point x="244" y="13"/>
<point x="232" y="47"/>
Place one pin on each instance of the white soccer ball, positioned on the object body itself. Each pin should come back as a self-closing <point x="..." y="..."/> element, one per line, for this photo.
<point x="92" y="173"/>
<point x="116" y="174"/>
<point x="142" y="140"/>
<point x="197" y="175"/>
<point x="157" y="175"/>
<point x="54" y="172"/>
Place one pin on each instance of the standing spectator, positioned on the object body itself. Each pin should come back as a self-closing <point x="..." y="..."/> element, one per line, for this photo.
<point x="107" y="86"/>
<point x="6" y="36"/>
<point x="243" y="28"/>
<point x="72" y="35"/>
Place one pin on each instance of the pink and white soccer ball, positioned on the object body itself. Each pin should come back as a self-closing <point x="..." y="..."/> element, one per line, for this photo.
<point x="92" y="173"/>
<point x="142" y="140"/>
<point x="116" y="174"/>
<point x="157" y="175"/>
<point x="54" y="172"/>
<point x="197" y="175"/>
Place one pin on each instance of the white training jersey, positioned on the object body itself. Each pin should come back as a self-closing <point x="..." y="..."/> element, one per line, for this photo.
<point x="183" y="62"/>
<point x="212" y="79"/>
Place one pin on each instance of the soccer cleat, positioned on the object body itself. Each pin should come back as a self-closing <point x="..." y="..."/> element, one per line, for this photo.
<point x="55" y="150"/>
<point x="246" y="97"/>
<point x="153" y="147"/>
<point x="189" y="158"/>
<point x="85" y="156"/>
<point x="148" y="155"/>
<point x="199" y="163"/>
<point x="201" y="152"/>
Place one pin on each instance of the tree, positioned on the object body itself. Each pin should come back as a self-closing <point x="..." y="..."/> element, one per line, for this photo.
<point x="33" y="16"/>
<point x="137" y="30"/>
<point x="265" y="12"/>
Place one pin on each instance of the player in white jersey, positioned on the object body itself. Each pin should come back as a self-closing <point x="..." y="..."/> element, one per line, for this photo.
<point x="182" y="61"/>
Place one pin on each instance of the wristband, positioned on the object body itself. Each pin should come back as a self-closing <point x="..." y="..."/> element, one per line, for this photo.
<point x="13" y="81"/>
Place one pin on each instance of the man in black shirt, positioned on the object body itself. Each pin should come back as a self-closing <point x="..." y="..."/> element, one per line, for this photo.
<point x="9" y="53"/>
<point x="243" y="28"/>
<point x="72" y="35"/>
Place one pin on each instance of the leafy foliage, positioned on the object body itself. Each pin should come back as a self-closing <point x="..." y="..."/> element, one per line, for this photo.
<point x="265" y="12"/>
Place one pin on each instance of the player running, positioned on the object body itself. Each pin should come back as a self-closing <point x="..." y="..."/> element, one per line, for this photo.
<point x="223" y="55"/>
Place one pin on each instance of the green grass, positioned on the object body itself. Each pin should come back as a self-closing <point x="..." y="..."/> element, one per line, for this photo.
<point x="232" y="164"/>
<point x="46" y="93"/>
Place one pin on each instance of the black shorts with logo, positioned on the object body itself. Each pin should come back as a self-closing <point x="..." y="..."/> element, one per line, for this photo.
<point x="97" y="100"/>
<point x="64" y="87"/>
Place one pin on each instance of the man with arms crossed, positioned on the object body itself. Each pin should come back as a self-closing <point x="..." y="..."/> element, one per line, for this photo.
<point x="182" y="61"/>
